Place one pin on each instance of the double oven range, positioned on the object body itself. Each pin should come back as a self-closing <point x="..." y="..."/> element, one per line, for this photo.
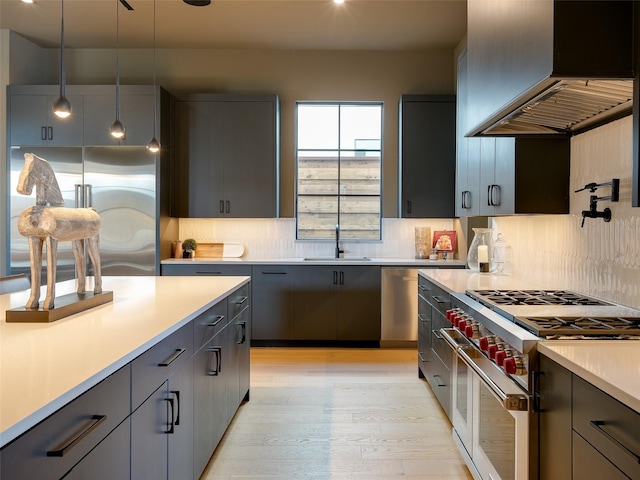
<point x="494" y="336"/>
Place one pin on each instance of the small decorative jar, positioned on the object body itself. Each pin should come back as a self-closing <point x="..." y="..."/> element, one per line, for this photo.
<point x="480" y="250"/>
<point x="502" y="256"/>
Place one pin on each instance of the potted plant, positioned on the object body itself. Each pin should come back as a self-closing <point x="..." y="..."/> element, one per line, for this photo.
<point x="189" y="247"/>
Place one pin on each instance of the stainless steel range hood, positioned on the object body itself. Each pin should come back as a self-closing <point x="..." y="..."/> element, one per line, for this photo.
<point x="548" y="67"/>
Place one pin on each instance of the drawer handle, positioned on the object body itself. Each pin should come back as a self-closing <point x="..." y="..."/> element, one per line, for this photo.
<point x="216" y="320"/>
<point x="96" y="420"/>
<point x="424" y="288"/>
<point x="176" y="393"/>
<point x="273" y="273"/>
<point x="439" y="299"/>
<point x="439" y="381"/>
<point x="171" y="358"/>
<point x="422" y="359"/>
<point x="435" y="334"/>
<point x="241" y="300"/>
<point x="208" y="273"/>
<point x="598" y="424"/>
<point x="422" y="318"/>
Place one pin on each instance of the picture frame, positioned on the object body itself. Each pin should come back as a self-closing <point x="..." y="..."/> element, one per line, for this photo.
<point x="444" y="240"/>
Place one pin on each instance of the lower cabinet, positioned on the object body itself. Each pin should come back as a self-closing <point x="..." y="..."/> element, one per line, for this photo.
<point x="337" y="303"/>
<point x="584" y="432"/>
<point x="273" y="308"/>
<point x="435" y="359"/>
<point x="159" y="417"/>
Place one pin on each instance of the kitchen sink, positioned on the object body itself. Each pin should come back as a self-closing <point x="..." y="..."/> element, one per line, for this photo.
<point x="333" y="259"/>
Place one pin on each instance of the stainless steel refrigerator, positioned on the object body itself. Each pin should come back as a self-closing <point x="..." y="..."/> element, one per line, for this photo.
<point x="120" y="183"/>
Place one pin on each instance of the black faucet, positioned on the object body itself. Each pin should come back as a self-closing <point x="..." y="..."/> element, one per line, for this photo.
<point x="593" y="211"/>
<point x="338" y="250"/>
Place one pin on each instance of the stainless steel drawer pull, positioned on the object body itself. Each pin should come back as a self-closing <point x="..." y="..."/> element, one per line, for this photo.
<point x="216" y="320"/>
<point x="435" y="334"/>
<point x="241" y="300"/>
<point x="598" y="424"/>
<point x="423" y="288"/>
<point x="422" y="318"/>
<point x="439" y="299"/>
<point x="422" y="359"/>
<point x="96" y="420"/>
<point x="171" y="358"/>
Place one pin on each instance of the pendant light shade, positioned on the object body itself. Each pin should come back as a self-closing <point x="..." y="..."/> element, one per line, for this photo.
<point x="154" y="144"/>
<point x="117" y="130"/>
<point x="62" y="106"/>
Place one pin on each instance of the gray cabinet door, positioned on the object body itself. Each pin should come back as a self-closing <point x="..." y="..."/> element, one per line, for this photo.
<point x="359" y="303"/>
<point x="272" y="289"/>
<point x="250" y="159"/>
<point x="32" y="121"/>
<point x="427" y="156"/>
<point x="149" y="427"/>
<point x="199" y="148"/>
<point x="316" y="303"/>
<point x="181" y="439"/>
<point x="554" y="396"/>
<point x="136" y="114"/>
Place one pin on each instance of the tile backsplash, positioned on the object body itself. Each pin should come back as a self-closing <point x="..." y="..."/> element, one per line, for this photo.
<point x="275" y="238"/>
<point x="600" y="259"/>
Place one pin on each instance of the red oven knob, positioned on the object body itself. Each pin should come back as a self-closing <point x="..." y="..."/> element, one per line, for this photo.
<point x="501" y="357"/>
<point x="514" y="366"/>
<point x="484" y="343"/>
<point x="462" y="324"/>
<point x="453" y="318"/>
<point x="450" y="312"/>
<point x="493" y="349"/>
<point x="468" y="331"/>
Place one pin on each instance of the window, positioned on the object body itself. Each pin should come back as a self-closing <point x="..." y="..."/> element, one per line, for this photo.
<point x="339" y="170"/>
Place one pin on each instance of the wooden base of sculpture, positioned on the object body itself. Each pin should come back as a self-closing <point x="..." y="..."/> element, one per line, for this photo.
<point x="66" y="305"/>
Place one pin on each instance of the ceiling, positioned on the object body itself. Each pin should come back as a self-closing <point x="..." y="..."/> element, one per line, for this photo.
<point x="410" y="25"/>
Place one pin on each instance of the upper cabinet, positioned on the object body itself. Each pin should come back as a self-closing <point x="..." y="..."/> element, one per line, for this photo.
<point x="31" y="120"/>
<point x="531" y="63"/>
<point x="427" y="156"/>
<point x="227" y="156"/>
<point x="504" y="176"/>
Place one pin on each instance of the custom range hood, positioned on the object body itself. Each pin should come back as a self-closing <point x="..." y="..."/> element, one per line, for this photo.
<point x="548" y="67"/>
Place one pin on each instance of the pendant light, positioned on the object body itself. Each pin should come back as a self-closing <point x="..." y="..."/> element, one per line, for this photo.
<point x="154" y="145"/>
<point x="117" y="128"/>
<point x="62" y="106"/>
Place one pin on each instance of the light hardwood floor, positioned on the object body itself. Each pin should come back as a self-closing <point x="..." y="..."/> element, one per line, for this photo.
<point x="318" y="413"/>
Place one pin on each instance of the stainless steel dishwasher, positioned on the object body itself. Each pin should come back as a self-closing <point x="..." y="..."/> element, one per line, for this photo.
<point x="399" y="307"/>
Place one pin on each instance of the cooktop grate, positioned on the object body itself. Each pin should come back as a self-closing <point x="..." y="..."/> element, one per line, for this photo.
<point x="600" y="326"/>
<point x="533" y="297"/>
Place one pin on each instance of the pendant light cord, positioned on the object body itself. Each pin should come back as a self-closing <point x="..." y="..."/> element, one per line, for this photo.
<point x="117" y="61"/>
<point x="63" y="76"/>
<point x="155" y="99"/>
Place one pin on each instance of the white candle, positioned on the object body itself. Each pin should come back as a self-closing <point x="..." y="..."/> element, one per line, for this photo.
<point x="483" y="254"/>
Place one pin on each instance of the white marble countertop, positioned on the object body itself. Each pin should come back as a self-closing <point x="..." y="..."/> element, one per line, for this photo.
<point x="462" y="280"/>
<point x="382" y="261"/>
<point x="612" y="366"/>
<point x="43" y="366"/>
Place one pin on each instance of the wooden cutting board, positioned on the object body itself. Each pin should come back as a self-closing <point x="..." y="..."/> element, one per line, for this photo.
<point x="220" y="250"/>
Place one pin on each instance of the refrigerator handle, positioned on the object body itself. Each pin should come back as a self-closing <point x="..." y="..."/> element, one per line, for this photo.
<point x="88" y="195"/>
<point x="79" y="199"/>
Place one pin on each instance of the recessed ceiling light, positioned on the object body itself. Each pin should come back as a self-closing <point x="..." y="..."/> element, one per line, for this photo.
<point x="27" y="1"/>
<point x="197" y="3"/>
<point x="338" y="1"/>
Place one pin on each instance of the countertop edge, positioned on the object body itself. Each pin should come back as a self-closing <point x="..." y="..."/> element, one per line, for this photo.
<point x="598" y="380"/>
<point x="413" y="263"/>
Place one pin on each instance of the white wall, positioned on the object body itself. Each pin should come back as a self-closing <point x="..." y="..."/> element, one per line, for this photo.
<point x="601" y="259"/>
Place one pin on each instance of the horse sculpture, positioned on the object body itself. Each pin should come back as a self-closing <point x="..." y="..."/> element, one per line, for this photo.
<point x="50" y="222"/>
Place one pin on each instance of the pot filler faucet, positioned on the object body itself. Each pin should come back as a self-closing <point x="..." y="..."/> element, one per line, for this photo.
<point x="338" y="249"/>
<point x="594" y="199"/>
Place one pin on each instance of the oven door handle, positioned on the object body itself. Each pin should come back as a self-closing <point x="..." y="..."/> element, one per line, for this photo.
<point x="510" y="401"/>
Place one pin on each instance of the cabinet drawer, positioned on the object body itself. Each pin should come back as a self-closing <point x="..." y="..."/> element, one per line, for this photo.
<point x="209" y="323"/>
<point x="209" y="269"/>
<point x="439" y="378"/>
<point x="589" y="463"/>
<point x="609" y="426"/>
<point x="55" y="445"/>
<point x="238" y="301"/>
<point x="154" y="366"/>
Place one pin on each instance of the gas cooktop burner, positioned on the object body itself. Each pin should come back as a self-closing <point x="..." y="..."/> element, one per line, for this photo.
<point x="533" y="297"/>
<point x="587" y="326"/>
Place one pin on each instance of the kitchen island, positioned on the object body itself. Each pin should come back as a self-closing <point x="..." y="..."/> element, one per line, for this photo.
<point x="46" y="367"/>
